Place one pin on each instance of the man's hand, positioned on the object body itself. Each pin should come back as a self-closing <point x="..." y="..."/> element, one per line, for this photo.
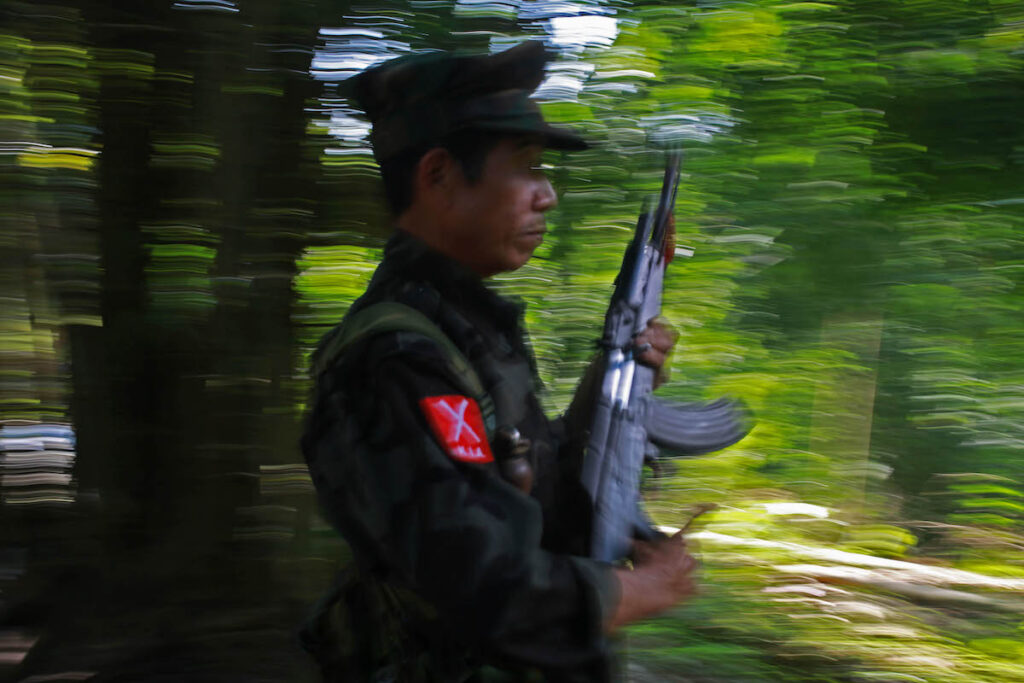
<point x="655" y="344"/>
<point x="662" y="576"/>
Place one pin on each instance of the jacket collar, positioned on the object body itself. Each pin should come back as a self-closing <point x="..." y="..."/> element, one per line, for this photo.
<point x="408" y="258"/>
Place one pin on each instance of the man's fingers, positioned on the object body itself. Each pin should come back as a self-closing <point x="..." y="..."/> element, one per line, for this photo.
<point x="655" y="343"/>
<point x="658" y="334"/>
<point x="653" y="357"/>
<point x="640" y="552"/>
<point x="691" y="563"/>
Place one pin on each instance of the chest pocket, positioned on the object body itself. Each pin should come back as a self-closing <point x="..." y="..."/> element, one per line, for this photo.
<point x="509" y="383"/>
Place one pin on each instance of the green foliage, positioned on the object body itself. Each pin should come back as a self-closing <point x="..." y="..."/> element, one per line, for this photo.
<point x="180" y="215"/>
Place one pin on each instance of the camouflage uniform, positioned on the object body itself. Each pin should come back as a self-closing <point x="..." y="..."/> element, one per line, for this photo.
<point x="458" y="575"/>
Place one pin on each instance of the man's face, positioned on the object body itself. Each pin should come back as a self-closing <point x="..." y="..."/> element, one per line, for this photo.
<point x="498" y="221"/>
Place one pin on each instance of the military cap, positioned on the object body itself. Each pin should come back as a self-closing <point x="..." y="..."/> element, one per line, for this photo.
<point x="418" y="100"/>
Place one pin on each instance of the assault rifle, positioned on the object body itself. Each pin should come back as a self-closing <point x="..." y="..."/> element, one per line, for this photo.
<point x="627" y="424"/>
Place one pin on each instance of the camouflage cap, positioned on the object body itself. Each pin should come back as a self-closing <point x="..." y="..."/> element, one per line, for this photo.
<point x="417" y="100"/>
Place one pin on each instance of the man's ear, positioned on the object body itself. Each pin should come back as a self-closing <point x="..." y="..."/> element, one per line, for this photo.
<point x="435" y="172"/>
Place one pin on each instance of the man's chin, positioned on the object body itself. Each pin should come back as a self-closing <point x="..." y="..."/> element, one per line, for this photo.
<point x="527" y="244"/>
<point x="513" y="262"/>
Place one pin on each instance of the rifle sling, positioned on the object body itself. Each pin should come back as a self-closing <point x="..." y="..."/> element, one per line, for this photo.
<point x="391" y="316"/>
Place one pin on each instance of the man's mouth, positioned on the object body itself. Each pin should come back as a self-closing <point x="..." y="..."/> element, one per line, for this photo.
<point x="535" y="231"/>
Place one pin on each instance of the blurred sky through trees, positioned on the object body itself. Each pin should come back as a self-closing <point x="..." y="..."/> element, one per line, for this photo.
<point x="188" y="204"/>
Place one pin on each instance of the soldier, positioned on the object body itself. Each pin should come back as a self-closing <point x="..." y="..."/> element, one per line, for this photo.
<point x="427" y="444"/>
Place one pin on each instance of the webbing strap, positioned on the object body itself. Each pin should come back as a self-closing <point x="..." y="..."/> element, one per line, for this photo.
<point x="391" y="316"/>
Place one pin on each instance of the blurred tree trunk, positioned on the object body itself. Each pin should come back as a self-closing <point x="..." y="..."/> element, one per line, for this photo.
<point x="842" y="419"/>
<point x="204" y="193"/>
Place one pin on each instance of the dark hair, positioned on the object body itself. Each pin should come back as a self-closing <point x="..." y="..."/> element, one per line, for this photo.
<point x="468" y="147"/>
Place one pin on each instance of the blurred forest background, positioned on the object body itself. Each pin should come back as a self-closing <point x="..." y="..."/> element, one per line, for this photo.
<point x="187" y="205"/>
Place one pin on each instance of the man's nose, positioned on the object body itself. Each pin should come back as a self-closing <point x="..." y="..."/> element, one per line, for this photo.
<point x="545" y="198"/>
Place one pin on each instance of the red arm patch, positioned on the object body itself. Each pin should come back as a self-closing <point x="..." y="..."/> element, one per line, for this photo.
<point x="458" y="426"/>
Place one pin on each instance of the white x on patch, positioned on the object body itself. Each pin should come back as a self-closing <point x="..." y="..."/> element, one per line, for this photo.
<point x="458" y="426"/>
<point x="458" y="416"/>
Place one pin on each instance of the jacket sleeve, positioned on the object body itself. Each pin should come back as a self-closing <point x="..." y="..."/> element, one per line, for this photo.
<point x="453" y="532"/>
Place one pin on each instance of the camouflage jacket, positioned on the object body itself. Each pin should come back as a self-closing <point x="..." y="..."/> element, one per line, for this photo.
<point x="458" y="574"/>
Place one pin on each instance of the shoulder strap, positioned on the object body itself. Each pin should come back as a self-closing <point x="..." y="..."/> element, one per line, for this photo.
<point x="391" y="316"/>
